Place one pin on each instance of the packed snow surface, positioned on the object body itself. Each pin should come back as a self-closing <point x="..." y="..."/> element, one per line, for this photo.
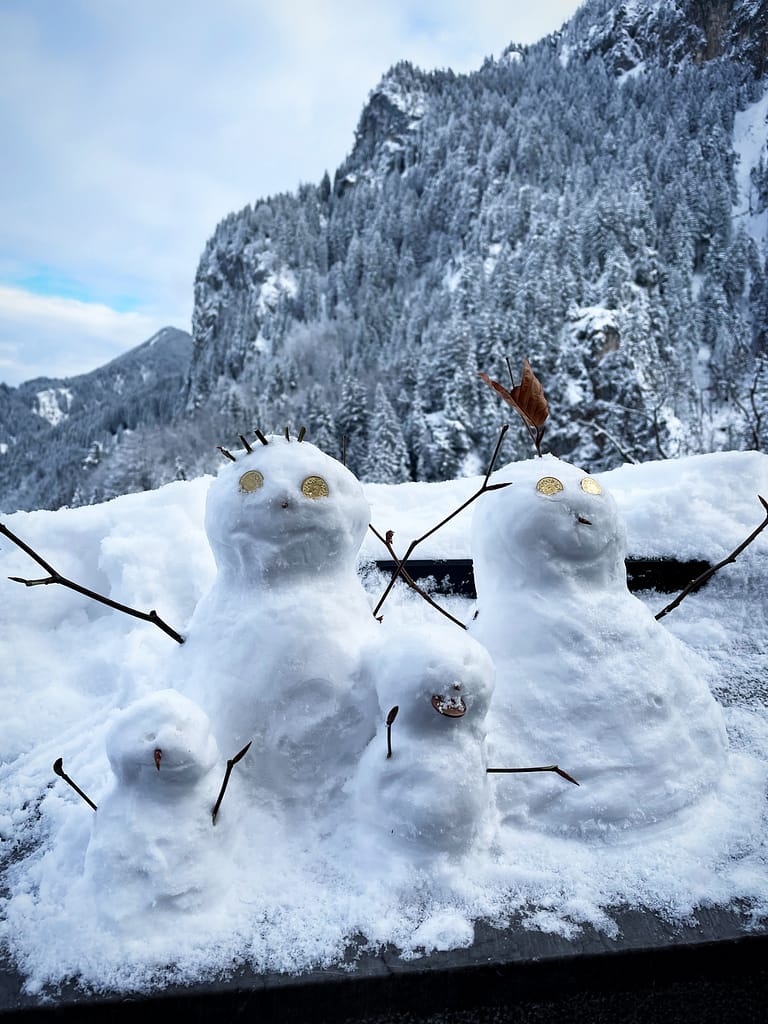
<point x="323" y="845"/>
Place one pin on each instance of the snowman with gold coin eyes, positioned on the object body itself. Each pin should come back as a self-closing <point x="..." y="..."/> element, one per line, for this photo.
<point x="274" y="653"/>
<point x="585" y="675"/>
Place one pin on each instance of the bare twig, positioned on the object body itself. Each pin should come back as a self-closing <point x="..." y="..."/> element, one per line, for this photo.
<point x="230" y="765"/>
<point x="56" y="577"/>
<point x="408" y="579"/>
<point x="59" y="770"/>
<point x="400" y="563"/>
<point x="701" y="580"/>
<point x="609" y="437"/>
<point x="546" y="768"/>
<point x="390" y="719"/>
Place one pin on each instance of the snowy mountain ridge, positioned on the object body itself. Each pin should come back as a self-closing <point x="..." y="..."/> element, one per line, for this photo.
<point x="594" y="202"/>
<point x="81" y="420"/>
<point x="472" y="232"/>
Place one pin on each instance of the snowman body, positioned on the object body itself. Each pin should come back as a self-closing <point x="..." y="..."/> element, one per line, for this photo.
<point x="586" y="677"/>
<point x="274" y="651"/>
<point x="431" y="795"/>
<point x="153" y="846"/>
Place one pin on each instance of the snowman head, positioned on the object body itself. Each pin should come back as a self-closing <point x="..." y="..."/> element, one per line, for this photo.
<point x="283" y="511"/>
<point x="441" y="680"/>
<point x="161" y="742"/>
<point x="553" y="522"/>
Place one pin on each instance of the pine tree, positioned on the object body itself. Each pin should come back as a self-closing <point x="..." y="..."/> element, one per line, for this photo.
<point x="386" y="460"/>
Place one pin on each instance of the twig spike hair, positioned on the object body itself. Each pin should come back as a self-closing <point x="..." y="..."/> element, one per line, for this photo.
<point x="261" y="437"/>
<point x="245" y="443"/>
<point x="58" y="768"/>
<point x="390" y="719"/>
<point x="302" y="433"/>
<point x="230" y="765"/>
<point x="226" y="454"/>
<point x="527" y="398"/>
<point x="546" y="768"/>
<point x="287" y="435"/>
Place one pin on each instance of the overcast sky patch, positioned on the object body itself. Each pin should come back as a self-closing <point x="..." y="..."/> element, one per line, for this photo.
<point x="132" y="128"/>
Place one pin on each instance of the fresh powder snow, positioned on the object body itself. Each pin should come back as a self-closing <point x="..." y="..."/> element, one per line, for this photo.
<point x="346" y="824"/>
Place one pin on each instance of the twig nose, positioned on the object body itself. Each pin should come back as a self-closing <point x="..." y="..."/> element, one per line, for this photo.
<point x="581" y="519"/>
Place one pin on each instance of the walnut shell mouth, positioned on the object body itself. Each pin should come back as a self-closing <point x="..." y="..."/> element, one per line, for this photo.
<point x="451" y="707"/>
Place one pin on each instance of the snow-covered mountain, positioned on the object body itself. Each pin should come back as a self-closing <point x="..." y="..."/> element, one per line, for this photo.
<point x="596" y="202"/>
<point x="73" y="441"/>
<point x="582" y="202"/>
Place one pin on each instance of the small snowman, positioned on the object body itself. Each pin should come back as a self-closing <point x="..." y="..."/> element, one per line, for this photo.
<point x="153" y="845"/>
<point x="425" y="790"/>
<point x="274" y="651"/>
<point x="584" y="673"/>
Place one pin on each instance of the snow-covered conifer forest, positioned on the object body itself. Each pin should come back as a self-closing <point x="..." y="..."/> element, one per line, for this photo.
<point x="596" y="202"/>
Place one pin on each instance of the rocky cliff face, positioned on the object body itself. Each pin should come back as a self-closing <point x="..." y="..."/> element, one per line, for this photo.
<point x="670" y="33"/>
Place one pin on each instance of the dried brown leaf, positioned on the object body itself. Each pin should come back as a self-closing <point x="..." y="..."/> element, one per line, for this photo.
<point x="527" y="397"/>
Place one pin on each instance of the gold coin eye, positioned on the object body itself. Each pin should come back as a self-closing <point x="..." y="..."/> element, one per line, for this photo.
<point x="549" y="485"/>
<point x="315" y="487"/>
<point x="590" y="486"/>
<point x="251" y="481"/>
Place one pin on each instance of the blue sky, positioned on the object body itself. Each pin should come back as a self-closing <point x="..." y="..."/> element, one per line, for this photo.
<point x="131" y="127"/>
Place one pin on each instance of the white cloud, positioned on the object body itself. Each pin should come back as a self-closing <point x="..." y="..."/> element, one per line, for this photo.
<point x="131" y="128"/>
<point x="53" y="336"/>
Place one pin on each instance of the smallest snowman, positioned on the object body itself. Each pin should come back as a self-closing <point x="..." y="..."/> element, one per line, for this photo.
<point x="421" y="786"/>
<point x="154" y="846"/>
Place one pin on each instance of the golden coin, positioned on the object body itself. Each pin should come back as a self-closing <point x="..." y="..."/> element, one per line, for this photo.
<point x="315" y="487"/>
<point x="590" y="486"/>
<point x="549" y="485"/>
<point x="251" y="481"/>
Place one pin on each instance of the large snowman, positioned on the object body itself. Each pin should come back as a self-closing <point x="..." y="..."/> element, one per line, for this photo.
<point x="585" y="675"/>
<point x="274" y="651"/>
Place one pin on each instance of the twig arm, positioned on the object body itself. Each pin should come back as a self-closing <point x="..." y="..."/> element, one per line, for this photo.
<point x="400" y="563"/>
<point x="409" y="580"/>
<point x="702" y="579"/>
<point x="544" y="768"/>
<point x="56" y="577"/>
